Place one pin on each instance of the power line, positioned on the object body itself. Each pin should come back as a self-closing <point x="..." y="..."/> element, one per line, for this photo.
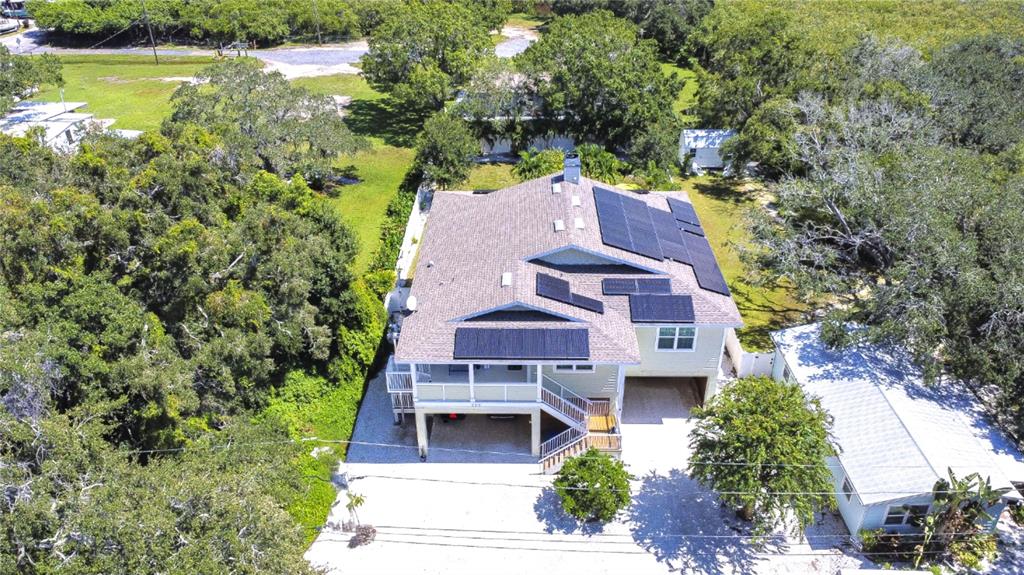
<point x="230" y="445"/>
<point x="499" y="532"/>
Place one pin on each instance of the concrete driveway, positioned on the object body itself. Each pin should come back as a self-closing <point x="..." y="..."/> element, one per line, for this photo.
<point x="479" y="505"/>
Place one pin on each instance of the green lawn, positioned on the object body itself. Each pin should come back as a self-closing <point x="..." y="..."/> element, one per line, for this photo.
<point x="523" y="20"/>
<point x="127" y="89"/>
<point x="344" y="84"/>
<point x="688" y="95"/>
<point x="723" y="207"/>
<point x="489" y="177"/>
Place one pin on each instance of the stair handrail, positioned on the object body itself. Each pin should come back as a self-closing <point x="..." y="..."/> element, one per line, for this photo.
<point x="561" y="442"/>
<point x="567" y="395"/>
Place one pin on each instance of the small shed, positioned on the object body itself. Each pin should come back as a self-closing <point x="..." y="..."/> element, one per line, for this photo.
<point x="897" y="435"/>
<point x="702" y="147"/>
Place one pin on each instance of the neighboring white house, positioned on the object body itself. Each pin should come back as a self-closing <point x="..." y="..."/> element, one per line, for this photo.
<point x="702" y="148"/>
<point x="63" y="126"/>
<point x="897" y="436"/>
<point x="548" y="299"/>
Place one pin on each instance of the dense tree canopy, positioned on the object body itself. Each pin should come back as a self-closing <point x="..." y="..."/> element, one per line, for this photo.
<point x="423" y="50"/>
<point x="597" y="80"/>
<point x="667" y="22"/>
<point x="153" y="295"/>
<point x="905" y="218"/>
<point x="260" y="21"/>
<point x="265" y="122"/>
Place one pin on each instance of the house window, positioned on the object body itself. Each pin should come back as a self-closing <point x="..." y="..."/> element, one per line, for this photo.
<point x="787" y="375"/>
<point x="676" y="338"/>
<point x="575" y="368"/>
<point x="847" y="488"/>
<point x="905" y="514"/>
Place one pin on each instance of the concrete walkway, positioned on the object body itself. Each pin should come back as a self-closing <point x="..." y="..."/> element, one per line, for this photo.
<point x="475" y="507"/>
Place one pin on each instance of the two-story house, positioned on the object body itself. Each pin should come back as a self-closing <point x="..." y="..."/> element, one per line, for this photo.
<point x="548" y="298"/>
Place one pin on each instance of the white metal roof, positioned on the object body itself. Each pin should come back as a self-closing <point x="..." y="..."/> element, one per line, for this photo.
<point x="698" y="139"/>
<point x="897" y="435"/>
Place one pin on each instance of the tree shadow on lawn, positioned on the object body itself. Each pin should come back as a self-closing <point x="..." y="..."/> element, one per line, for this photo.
<point x="685" y="527"/>
<point x="724" y="189"/>
<point x="548" y="508"/>
<point x="378" y="119"/>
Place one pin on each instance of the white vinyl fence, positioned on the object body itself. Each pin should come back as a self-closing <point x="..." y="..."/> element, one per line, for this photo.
<point x="747" y="363"/>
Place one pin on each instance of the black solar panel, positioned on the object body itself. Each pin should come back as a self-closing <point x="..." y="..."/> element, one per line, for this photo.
<point x="553" y="288"/>
<point x="696" y="230"/>
<point x="661" y="308"/>
<point x="705" y="267"/>
<point x="626" y="286"/>
<point x="632" y="225"/>
<point x="587" y="303"/>
<point x="521" y="343"/>
<point x="626" y="224"/>
<point x="558" y="289"/>
<point x="683" y="211"/>
<point x="654" y="285"/>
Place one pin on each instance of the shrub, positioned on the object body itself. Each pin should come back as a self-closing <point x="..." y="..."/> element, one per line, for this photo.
<point x="593" y="486"/>
<point x="1017" y="514"/>
<point x="534" y="164"/>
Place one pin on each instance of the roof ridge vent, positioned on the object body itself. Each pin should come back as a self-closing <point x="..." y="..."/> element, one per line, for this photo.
<point x="559" y="225"/>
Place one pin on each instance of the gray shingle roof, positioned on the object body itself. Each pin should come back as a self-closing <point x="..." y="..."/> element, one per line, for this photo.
<point x="898" y="436"/>
<point x="471" y="239"/>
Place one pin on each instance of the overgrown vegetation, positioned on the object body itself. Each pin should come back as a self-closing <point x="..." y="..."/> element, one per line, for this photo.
<point x="176" y="293"/>
<point x="953" y="530"/>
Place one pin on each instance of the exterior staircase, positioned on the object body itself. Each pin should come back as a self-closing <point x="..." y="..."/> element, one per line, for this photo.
<point x="591" y="424"/>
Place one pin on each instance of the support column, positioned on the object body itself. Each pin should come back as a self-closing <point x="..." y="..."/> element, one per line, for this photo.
<point x="472" y="377"/>
<point x="421" y="433"/>
<point x="540" y="381"/>
<point x="620" y="387"/>
<point x="412" y="378"/>
<point x="535" y="433"/>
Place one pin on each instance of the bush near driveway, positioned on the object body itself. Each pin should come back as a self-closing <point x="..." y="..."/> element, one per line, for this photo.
<point x="593" y="486"/>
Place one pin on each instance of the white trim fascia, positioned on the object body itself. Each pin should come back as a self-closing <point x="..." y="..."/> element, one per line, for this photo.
<point x="598" y="254"/>
<point x="505" y="306"/>
<point x="450" y="361"/>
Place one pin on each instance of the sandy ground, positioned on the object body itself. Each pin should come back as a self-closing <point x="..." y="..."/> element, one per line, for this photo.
<point x="493" y="512"/>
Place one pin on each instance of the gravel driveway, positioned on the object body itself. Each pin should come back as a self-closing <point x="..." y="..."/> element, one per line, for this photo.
<point x="458" y="514"/>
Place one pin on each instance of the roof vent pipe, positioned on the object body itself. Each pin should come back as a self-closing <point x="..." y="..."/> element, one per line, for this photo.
<point x="572" y="168"/>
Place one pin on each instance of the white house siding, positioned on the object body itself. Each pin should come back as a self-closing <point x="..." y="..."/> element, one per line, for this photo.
<point x="851" y="510"/>
<point x="599" y="384"/>
<point x="703" y="361"/>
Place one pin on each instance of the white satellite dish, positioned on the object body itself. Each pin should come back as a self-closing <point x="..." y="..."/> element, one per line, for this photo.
<point x="410" y="304"/>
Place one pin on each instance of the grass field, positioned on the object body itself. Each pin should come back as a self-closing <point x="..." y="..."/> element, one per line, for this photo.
<point x="723" y="207"/>
<point x="489" y="177"/>
<point x="688" y="95"/>
<point x="128" y="89"/>
<point x="523" y="20"/>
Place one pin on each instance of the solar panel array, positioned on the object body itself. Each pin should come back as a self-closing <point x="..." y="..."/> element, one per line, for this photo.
<point x="521" y="343"/>
<point x="626" y="286"/>
<point x="632" y="225"/>
<point x="558" y="289"/>
<point x="661" y="308"/>
<point x="626" y="224"/>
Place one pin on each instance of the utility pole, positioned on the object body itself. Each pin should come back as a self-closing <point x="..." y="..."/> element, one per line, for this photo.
<point x="316" y="16"/>
<point x="152" y="42"/>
